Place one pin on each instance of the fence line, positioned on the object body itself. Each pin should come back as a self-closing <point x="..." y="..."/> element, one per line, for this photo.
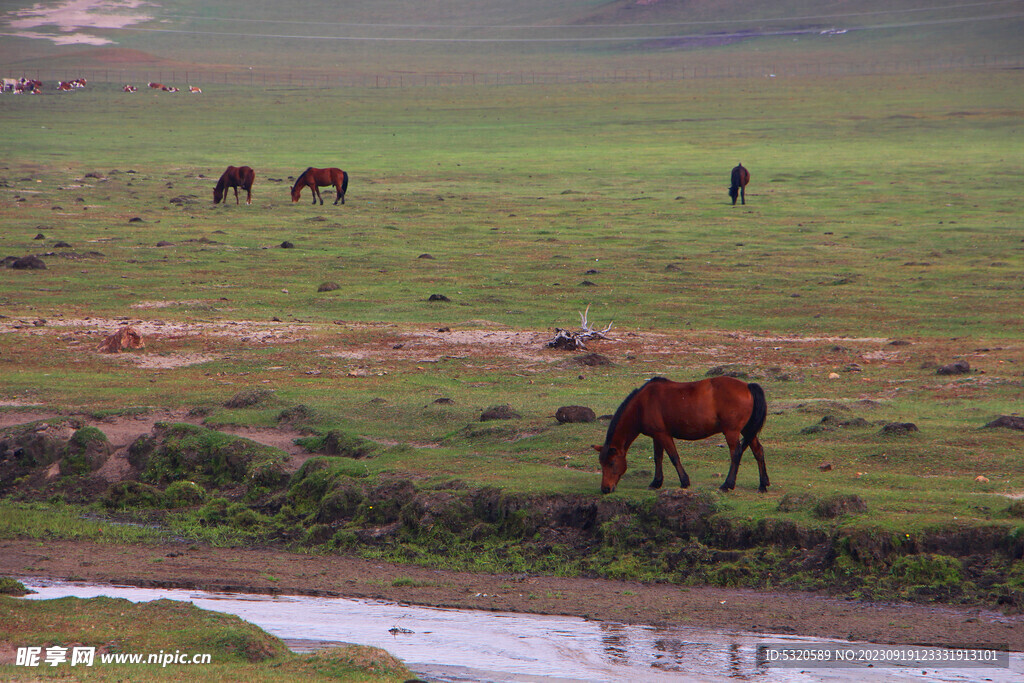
<point x="323" y="79"/>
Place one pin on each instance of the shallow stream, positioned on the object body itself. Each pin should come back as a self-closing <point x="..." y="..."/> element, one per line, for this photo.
<point x="469" y="645"/>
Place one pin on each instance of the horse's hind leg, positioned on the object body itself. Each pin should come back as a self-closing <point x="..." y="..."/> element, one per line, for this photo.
<point x="236" y="195"/>
<point x="340" y="197"/>
<point x="758" y="451"/>
<point x="669" y="445"/>
<point x="743" y="195"/>
<point x="732" y="439"/>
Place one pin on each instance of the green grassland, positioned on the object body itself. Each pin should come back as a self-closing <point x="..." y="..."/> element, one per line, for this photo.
<point x="881" y="209"/>
<point x="237" y="650"/>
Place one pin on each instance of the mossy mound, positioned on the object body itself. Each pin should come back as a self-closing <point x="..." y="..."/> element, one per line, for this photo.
<point x="211" y="459"/>
<point x="337" y="442"/>
<point x="86" y="451"/>
<point x="40" y="443"/>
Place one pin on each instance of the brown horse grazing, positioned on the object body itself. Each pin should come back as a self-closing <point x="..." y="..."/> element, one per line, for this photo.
<point x="315" y="178"/>
<point x="664" y="410"/>
<point x="740" y="178"/>
<point x="236" y="177"/>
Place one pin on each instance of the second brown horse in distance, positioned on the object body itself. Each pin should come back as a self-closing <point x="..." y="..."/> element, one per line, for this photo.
<point x="315" y="178"/>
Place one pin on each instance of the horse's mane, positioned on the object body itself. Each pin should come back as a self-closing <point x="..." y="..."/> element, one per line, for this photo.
<point x="622" y="407"/>
<point x="301" y="176"/>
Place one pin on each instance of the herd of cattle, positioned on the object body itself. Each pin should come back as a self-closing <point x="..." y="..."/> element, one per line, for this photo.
<point x="35" y="87"/>
<point x="161" y="86"/>
<point x="24" y="85"/>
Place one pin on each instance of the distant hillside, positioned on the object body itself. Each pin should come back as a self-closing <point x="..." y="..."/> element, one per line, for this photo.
<point x="417" y="36"/>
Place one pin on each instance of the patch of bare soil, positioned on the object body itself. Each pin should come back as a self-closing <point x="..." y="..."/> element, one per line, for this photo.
<point x="242" y="330"/>
<point x="280" y="572"/>
<point x="478" y="339"/>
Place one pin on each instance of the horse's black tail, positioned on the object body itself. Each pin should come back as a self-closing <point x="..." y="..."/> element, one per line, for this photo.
<point x="757" y="416"/>
<point x="344" y="182"/>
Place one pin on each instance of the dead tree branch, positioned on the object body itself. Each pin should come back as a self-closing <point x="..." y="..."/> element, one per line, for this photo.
<point x="572" y="341"/>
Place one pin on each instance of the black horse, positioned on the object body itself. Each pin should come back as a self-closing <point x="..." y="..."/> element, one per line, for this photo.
<point x="740" y="178"/>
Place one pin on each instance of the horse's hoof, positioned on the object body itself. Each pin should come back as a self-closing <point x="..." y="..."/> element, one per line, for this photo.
<point x="727" y="487"/>
<point x="655" y="485"/>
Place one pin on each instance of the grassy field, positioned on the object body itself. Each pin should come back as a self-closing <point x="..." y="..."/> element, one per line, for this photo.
<point x="881" y="210"/>
<point x="226" y="647"/>
<point x="878" y="211"/>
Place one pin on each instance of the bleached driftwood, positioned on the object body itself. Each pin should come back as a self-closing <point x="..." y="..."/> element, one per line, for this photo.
<point x="572" y="341"/>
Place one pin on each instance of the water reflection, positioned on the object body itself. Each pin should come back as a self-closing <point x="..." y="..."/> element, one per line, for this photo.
<point x="468" y="645"/>
<point x="614" y="639"/>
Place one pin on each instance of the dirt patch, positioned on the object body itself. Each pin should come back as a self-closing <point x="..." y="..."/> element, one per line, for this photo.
<point x="244" y="330"/>
<point x="388" y="343"/>
<point x="168" y="361"/>
<point x="251" y="570"/>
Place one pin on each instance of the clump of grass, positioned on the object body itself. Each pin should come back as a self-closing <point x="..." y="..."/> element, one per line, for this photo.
<point x="132" y="494"/>
<point x="64" y="521"/>
<point x="249" y="398"/>
<point x="183" y="493"/>
<point x="9" y="586"/>
<point x="208" y="457"/>
<point x="339" y="443"/>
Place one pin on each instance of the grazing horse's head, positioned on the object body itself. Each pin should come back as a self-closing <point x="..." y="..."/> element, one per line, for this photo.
<point x="613" y="466"/>
<point x="296" y="190"/>
<point x="218" y="192"/>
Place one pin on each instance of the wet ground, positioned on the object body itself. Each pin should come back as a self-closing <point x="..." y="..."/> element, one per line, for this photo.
<point x="269" y="571"/>
<point x="449" y="645"/>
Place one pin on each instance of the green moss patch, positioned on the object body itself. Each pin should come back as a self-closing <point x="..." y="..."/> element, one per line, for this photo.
<point x="215" y="460"/>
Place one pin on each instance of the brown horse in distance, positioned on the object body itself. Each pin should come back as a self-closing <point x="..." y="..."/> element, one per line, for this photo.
<point x="236" y="177"/>
<point x="740" y="178"/>
<point x="315" y="178"/>
<point x="664" y="410"/>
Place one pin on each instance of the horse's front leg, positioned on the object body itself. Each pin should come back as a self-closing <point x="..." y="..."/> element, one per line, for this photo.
<point x="236" y="195"/>
<point x="659" y="476"/>
<point x="669" y="445"/>
<point x="743" y="196"/>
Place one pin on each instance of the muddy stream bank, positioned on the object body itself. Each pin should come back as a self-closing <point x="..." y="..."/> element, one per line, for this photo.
<point x="455" y="645"/>
<point x="277" y="572"/>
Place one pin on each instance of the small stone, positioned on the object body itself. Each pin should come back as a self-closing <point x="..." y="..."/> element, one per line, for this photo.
<point x="574" y="414"/>
<point x="960" y="367"/>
